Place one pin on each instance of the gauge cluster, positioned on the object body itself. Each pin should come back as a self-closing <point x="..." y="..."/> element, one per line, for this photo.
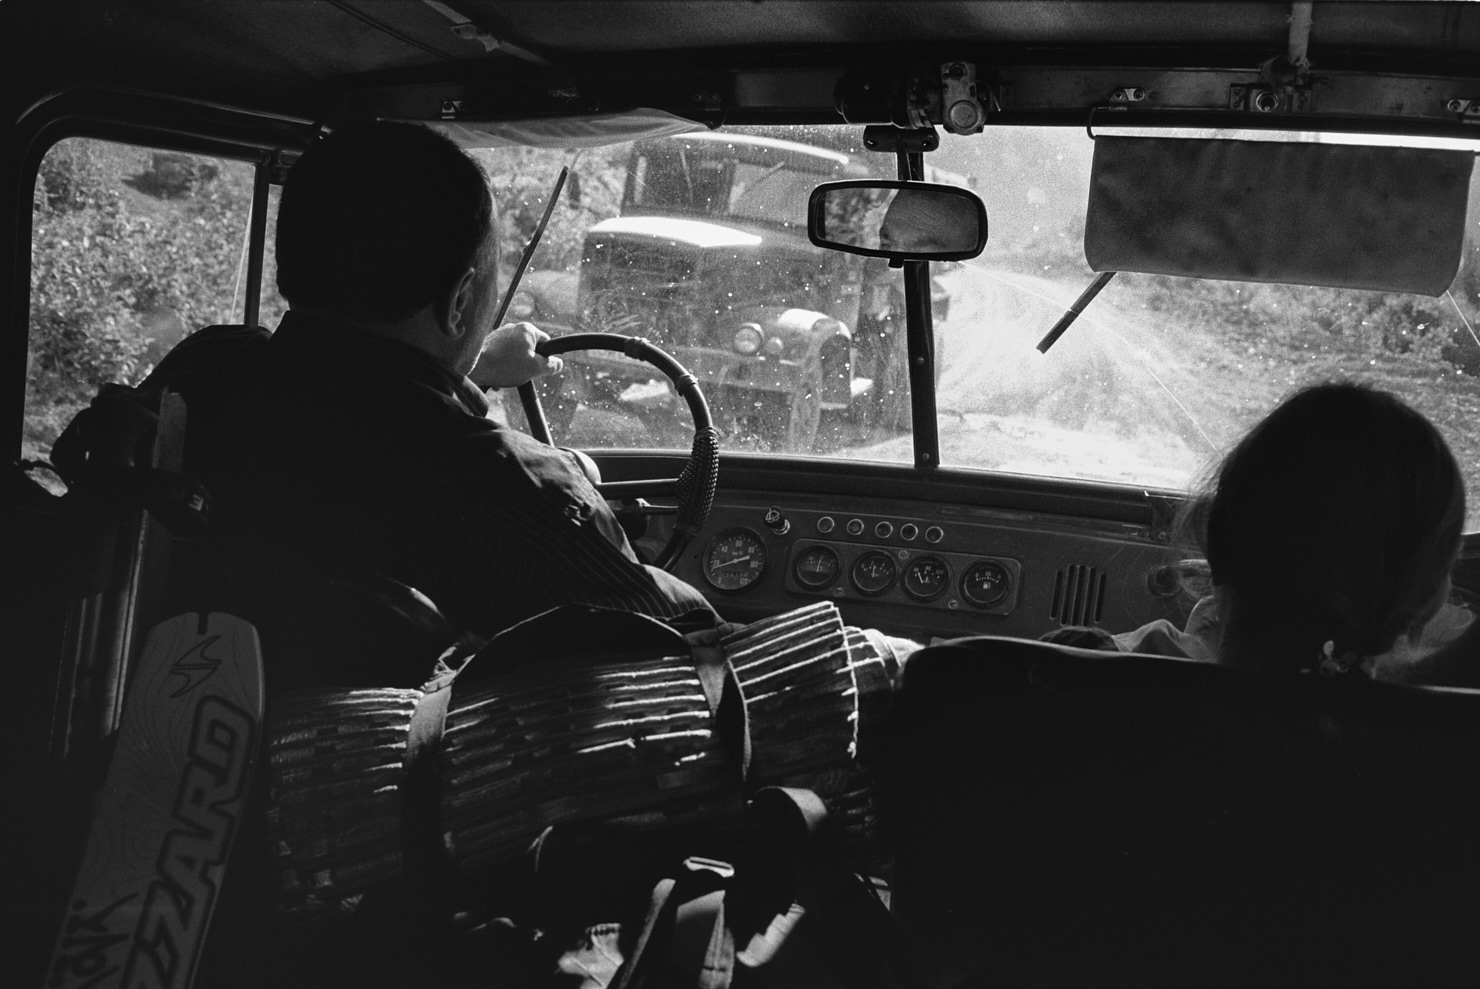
<point x="924" y="570"/>
<point x="852" y="562"/>
<point x="955" y="581"/>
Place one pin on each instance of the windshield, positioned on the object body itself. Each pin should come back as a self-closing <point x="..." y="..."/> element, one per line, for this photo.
<point x="689" y="175"/>
<point x="1153" y="382"/>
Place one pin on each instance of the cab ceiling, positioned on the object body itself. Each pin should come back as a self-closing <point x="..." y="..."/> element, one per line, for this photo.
<point x="303" y="56"/>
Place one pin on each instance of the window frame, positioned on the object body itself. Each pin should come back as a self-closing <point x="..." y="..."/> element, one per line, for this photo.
<point x="268" y="142"/>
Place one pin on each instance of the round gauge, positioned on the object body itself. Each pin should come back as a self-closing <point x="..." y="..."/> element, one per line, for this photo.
<point x="873" y="572"/>
<point x="816" y="568"/>
<point x="926" y="578"/>
<point x="734" y="560"/>
<point x="985" y="584"/>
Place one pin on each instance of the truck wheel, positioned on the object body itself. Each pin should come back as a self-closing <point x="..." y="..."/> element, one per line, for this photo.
<point x="738" y="414"/>
<point x="770" y="420"/>
<point x="804" y="415"/>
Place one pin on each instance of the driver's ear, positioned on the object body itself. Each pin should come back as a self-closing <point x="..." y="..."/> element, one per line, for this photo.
<point x="458" y="302"/>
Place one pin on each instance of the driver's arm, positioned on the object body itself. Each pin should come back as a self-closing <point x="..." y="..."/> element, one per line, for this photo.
<point x="509" y="360"/>
<point x="526" y="531"/>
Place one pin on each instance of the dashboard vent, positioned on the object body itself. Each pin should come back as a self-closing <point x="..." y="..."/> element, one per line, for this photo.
<point x="1078" y="596"/>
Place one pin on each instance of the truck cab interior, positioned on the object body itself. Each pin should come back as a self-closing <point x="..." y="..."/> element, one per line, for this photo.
<point x="1191" y="210"/>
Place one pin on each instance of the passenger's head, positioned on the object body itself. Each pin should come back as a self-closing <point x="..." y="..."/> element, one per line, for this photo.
<point x="380" y="220"/>
<point x="1336" y="519"/>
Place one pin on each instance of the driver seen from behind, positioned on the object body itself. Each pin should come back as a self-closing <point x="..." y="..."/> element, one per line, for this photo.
<point x="352" y="438"/>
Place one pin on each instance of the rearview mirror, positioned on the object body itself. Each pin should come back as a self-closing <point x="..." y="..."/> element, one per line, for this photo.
<point x="907" y="221"/>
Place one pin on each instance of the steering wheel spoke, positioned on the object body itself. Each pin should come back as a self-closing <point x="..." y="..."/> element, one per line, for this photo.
<point x="694" y="488"/>
<point x="657" y="487"/>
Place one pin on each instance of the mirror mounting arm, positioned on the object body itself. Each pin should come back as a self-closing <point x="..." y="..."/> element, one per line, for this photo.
<point x="920" y="336"/>
<point x="911" y="169"/>
<point x="888" y="138"/>
<point x="909" y="147"/>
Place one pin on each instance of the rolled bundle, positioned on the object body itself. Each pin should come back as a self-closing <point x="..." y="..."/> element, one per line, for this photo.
<point x="334" y="803"/>
<point x="631" y="743"/>
<point x="627" y="744"/>
<point x="818" y="695"/>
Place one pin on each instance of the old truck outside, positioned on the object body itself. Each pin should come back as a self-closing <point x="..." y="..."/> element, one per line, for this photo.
<point x="709" y="259"/>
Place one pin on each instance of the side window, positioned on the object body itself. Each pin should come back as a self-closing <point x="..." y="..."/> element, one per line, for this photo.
<point x="132" y="249"/>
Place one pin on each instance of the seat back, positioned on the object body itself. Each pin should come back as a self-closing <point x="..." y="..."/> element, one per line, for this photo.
<point x="321" y="626"/>
<point x="1170" y="822"/>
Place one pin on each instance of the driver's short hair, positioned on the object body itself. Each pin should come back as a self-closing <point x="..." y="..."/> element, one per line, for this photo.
<point x="378" y="220"/>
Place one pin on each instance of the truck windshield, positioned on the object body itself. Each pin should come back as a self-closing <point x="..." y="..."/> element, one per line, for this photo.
<point x="674" y="175"/>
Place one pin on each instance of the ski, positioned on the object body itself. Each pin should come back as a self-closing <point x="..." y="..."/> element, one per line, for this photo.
<point x="165" y="819"/>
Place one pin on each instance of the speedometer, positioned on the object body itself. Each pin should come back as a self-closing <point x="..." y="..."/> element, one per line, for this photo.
<point x="734" y="560"/>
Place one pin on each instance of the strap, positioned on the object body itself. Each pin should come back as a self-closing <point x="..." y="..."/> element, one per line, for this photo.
<point x="800" y="813"/>
<point x="702" y="943"/>
<point x="577" y="633"/>
<point x="722" y="691"/>
<point x="687" y="915"/>
<point x="688" y="930"/>
<point x="764" y="944"/>
<point x="424" y="854"/>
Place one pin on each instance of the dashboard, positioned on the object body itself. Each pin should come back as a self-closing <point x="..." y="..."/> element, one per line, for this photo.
<point x="935" y="556"/>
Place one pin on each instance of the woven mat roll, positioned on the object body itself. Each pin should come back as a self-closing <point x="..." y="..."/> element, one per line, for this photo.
<point x="819" y="697"/>
<point x="625" y="744"/>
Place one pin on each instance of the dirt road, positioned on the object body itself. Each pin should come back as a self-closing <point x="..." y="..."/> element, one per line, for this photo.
<point x="1120" y="397"/>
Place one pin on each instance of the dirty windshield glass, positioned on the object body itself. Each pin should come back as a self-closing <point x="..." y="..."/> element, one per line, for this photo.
<point x="698" y="242"/>
<point x="1161" y="374"/>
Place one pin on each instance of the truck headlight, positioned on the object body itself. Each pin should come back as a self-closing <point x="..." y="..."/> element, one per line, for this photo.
<point x="748" y="339"/>
<point x="521" y="307"/>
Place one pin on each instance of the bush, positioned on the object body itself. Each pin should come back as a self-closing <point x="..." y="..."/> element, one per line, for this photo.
<point x="104" y="264"/>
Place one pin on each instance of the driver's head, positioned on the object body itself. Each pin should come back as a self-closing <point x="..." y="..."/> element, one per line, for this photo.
<point x="922" y="221"/>
<point x="379" y="220"/>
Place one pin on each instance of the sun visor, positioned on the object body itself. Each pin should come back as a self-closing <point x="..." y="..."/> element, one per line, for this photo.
<point x="1350" y="216"/>
<point x="589" y="131"/>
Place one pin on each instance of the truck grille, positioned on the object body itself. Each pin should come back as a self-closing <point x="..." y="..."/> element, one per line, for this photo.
<point x="638" y="288"/>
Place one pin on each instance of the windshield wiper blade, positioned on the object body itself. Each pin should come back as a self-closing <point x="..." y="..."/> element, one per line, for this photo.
<point x="1075" y="308"/>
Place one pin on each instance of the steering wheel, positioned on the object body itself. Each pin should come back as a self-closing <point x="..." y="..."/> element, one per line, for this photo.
<point x="695" y="486"/>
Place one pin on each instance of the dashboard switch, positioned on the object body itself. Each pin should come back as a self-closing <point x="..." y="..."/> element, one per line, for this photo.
<point x="855" y="527"/>
<point x="826" y="524"/>
<point x="909" y="531"/>
<point x="884" y="529"/>
<point x="777" y="522"/>
<point x="934" y="534"/>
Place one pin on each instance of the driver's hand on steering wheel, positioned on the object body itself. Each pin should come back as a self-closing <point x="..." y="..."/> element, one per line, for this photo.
<point x="509" y="359"/>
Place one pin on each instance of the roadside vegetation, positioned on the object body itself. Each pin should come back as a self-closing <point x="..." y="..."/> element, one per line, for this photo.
<point x="1279" y="337"/>
<point x="131" y="249"/>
